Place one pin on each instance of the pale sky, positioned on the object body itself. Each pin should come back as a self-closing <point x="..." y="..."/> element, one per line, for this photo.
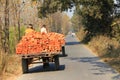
<point x="70" y="13"/>
<point x="115" y="1"/>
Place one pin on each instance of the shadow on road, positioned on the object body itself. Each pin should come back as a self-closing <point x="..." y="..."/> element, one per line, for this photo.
<point x="117" y="77"/>
<point x="98" y="67"/>
<point x="72" y="43"/>
<point x="40" y="68"/>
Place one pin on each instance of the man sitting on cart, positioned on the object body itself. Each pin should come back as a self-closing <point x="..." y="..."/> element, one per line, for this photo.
<point x="43" y="29"/>
<point x="29" y="29"/>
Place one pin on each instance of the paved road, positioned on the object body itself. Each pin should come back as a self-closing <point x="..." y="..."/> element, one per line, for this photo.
<point x="80" y="64"/>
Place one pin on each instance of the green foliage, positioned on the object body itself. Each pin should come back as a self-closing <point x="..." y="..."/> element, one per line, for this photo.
<point x="116" y="29"/>
<point x="22" y="30"/>
<point x="12" y="41"/>
<point x="52" y="6"/>
<point x="13" y="38"/>
<point x="116" y="32"/>
<point x="76" y="22"/>
<point x="96" y="15"/>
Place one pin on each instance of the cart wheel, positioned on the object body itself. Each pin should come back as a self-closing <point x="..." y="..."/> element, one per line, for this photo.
<point x="30" y="60"/>
<point x="24" y="65"/>
<point x="45" y="62"/>
<point x="63" y="51"/>
<point x="56" y="58"/>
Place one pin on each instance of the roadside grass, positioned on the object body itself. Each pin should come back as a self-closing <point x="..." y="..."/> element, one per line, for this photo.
<point x="13" y="38"/>
<point x="106" y="48"/>
<point x="81" y="34"/>
<point x="10" y="64"/>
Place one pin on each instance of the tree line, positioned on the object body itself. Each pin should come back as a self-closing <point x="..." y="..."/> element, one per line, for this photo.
<point x="96" y="16"/>
<point x="16" y="14"/>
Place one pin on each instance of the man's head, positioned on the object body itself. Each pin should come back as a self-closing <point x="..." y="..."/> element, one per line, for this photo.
<point x="44" y="26"/>
<point x="30" y="26"/>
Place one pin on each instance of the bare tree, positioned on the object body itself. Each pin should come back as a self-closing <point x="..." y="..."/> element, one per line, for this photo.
<point x="0" y="34"/>
<point x="6" y="27"/>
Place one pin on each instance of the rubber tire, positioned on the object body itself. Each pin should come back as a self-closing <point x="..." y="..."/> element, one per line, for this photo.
<point x="63" y="50"/>
<point x="30" y="60"/>
<point x="24" y="65"/>
<point x="57" y="64"/>
<point x="45" y="62"/>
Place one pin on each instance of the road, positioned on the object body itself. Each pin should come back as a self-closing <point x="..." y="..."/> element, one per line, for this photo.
<point x="80" y="64"/>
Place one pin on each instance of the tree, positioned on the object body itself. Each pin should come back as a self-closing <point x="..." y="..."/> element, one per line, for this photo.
<point x="6" y="28"/>
<point x="96" y="13"/>
<point x="65" y="24"/>
<point x="56" y="22"/>
<point x="76" y="21"/>
<point x="1" y="35"/>
<point x="52" y="6"/>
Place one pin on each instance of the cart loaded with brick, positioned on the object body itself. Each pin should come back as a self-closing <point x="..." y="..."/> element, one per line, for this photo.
<point x="43" y="47"/>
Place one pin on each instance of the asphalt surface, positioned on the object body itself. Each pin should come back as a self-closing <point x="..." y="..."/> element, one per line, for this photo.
<point x="80" y="64"/>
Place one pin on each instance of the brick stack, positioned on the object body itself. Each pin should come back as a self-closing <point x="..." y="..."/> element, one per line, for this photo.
<point x="36" y="43"/>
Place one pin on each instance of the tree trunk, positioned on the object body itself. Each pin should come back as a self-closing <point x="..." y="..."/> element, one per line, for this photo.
<point x="19" y="25"/>
<point x="0" y="34"/>
<point x="6" y="28"/>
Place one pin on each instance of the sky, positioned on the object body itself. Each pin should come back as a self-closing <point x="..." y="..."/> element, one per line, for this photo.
<point x="115" y="1"/>
<point x="70" y="13"/>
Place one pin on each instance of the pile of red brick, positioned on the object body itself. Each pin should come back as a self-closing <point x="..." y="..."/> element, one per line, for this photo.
<point x="36" y="43"/>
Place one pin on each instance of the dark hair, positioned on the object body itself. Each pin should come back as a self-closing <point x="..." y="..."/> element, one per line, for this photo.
<point x="31" y="26"/>
<point x="44" y="25"/>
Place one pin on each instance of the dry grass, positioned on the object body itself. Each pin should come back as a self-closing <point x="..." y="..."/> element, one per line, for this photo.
<point x="81" y="34"/>
<point x="10" y="67"/>
<point x="108" y="49"/>
<point x="99" y="46"/>
<point x="104" y="46"/>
